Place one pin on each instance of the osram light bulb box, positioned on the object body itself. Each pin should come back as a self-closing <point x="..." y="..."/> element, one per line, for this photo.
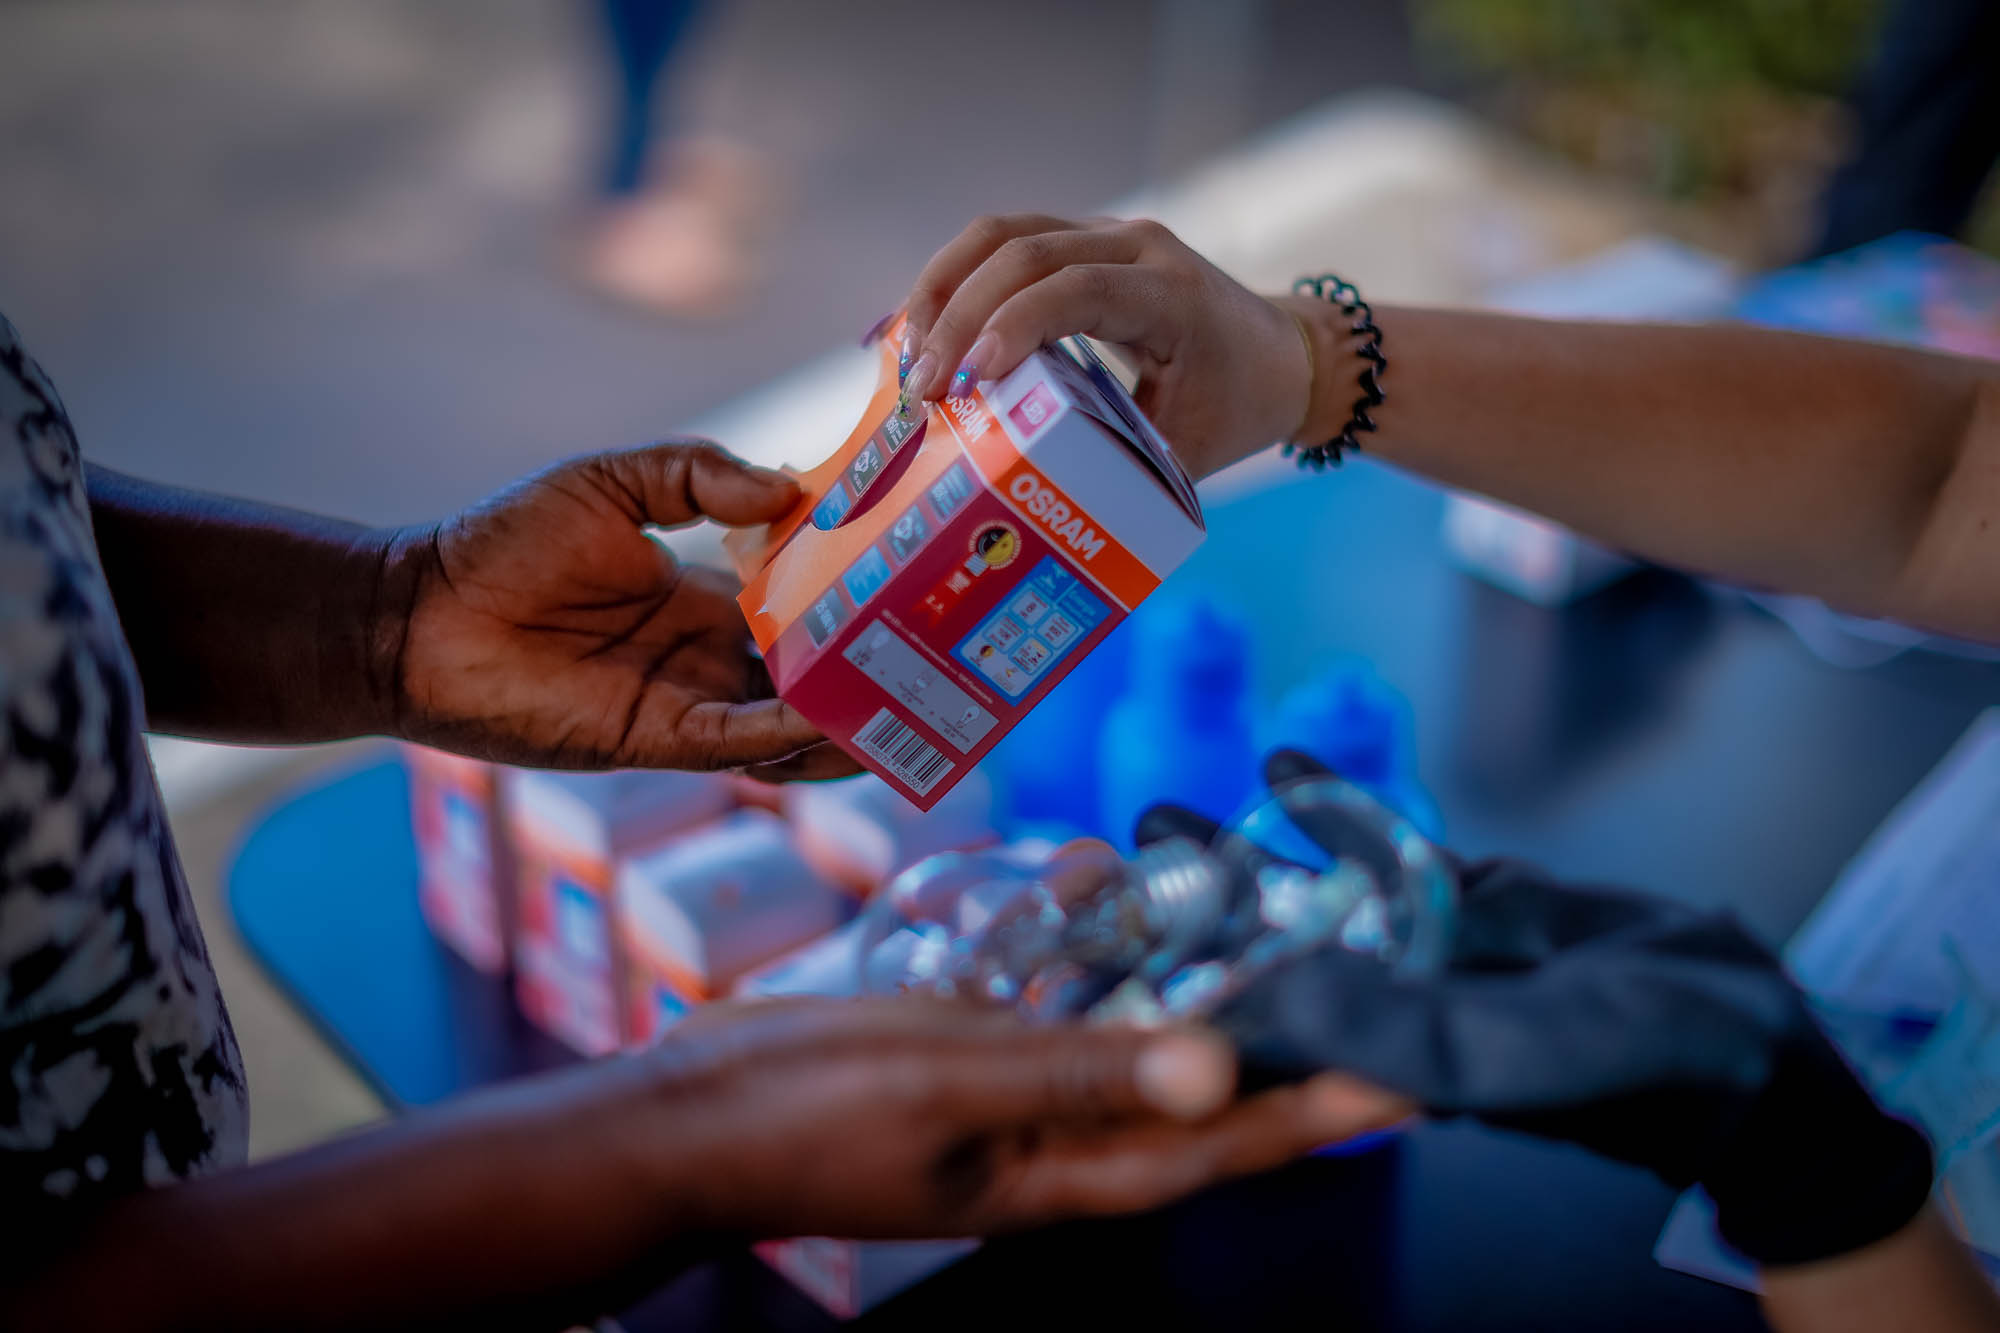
<point x="698" y="913"/>
<point x="462" y="854"/>
<point x="569" y="833"/>
<point x="950" y="564"/>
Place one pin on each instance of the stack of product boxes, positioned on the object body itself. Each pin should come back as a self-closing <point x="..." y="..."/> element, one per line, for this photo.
<point x="571" y="834"/>
<point x="619" y="900"/>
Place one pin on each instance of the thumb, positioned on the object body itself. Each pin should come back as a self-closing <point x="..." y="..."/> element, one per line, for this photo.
<point x="680" y="481"/>
<point x="1091" y="1073"/>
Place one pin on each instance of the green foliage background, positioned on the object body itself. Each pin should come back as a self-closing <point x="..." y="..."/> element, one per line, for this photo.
<point x="1795" y="46"/>
<point x="1706" y="74"/>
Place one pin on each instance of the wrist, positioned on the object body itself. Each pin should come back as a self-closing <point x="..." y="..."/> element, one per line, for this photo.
<point x="397" y="565"/>
<point x="686" y="1135"/>
<point x="1288" y="356"/>
<point x="1337" y="366"/>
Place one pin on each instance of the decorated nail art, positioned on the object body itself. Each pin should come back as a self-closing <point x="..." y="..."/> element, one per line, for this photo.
<point x="967" y="376"/>
<point x="917" y="384"/>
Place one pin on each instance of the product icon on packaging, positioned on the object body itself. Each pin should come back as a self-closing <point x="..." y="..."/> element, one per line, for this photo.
<point x="949" y="565"/>
<point x="1031" y="629"/>
<point x="828" y="614"/>
<point x="866" y="575"/>
<point x="953" y="489"/>
<point x="909" y="535"/>
<point x="833" y="507"/>
<point x="866" y="464"/>
<point x="994" y="547"/>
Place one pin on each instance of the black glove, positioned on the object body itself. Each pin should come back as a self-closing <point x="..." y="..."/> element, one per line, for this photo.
<point x="1637" y="1028"/>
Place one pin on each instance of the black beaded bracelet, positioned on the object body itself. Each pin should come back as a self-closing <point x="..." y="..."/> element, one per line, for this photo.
<point x="1340" y="292"/>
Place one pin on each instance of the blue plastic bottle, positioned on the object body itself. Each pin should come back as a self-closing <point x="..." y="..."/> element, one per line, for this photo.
<point x="1355" y="723"/>
<point x="1045" y="770"/>
<point x="1184" y="732"/>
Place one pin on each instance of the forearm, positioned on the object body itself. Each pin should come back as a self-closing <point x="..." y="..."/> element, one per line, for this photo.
<point x="250" y="622"/>
<point x="1921" y="1279"/>
<point x="520" y="1209"/>
<point x="1863" y="474"/>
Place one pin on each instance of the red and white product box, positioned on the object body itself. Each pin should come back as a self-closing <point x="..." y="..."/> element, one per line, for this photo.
<point x="569" y="833"/>
<point x="461" y="854"/>
<point x="698" y="913"/>
<point x="849" y="1277"/>
<point x="947" y="568"/>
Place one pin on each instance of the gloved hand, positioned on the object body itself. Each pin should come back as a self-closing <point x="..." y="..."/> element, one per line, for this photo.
<point x="1640" y="1029"/>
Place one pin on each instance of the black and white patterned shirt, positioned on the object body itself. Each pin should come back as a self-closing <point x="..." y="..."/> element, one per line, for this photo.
<point x="118" y="1069"/>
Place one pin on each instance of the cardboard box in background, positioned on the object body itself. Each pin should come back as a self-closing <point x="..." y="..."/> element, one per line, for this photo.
<point x="849" y="1277"/>
<point x="462" y="855"/>
<point x="698" y="913"/>
<point x="569" y="833"/>
<point x="1527" y="555"/>
<point x="859" y="832"/>
<point x="947" y="568"/>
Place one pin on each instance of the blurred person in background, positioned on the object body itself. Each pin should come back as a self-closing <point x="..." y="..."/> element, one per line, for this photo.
<point x="678" y="224"/>
<point x="543" y="627"/>
<point x="1927" y="124"/>
<point x="1866" y="475"/>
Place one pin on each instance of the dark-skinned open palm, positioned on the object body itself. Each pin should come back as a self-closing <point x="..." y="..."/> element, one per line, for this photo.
<point x="548" y="627"/>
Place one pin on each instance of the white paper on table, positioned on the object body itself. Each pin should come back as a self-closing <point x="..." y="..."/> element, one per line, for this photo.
<point x="1877" y="942"/>
<point x="1930" y="873"/>
<point x="1689" y="1243"/>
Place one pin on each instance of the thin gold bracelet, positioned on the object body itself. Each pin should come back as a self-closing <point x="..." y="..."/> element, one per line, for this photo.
<point x="1312" y="374"/>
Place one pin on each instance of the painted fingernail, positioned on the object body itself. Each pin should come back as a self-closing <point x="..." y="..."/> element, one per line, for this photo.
<point x="967" y="376"/>
<point x="916" y="387"/>
<point x="1184" y="1077"/>
<point x="875" y="330"/>
<point x="906" y="356"/>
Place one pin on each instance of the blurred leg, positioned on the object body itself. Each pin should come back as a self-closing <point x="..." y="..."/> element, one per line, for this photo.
<point x="682" y="225"/>
<point x="1928" y="113"/>
<point x="643" y="36"/>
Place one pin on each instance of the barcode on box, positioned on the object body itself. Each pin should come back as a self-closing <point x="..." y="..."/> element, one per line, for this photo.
<point x="892" y="743"/>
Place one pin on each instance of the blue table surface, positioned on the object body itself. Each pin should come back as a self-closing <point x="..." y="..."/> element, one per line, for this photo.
<point x="1658" y="734"/>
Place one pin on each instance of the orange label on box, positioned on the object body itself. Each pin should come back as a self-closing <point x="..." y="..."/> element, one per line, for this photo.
<point x="1097" y="553"/>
